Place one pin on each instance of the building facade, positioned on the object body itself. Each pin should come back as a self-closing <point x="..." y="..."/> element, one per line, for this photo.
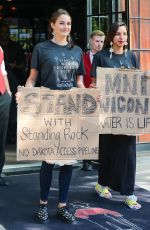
<point x="136" y="14"/>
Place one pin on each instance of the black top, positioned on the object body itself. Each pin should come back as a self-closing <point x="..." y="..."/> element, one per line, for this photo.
<point x="58" y="65"/>
<point x="102" y="59"/>
<point x="117" y="154"/>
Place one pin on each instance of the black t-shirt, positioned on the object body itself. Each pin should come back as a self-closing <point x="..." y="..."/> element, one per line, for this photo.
<point x="102" y="59"/>
<point x="58" y="65"/>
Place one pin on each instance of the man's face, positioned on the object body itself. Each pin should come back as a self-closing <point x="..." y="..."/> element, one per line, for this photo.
<point x="97" y="43"/>
<point x="4" y="33"/>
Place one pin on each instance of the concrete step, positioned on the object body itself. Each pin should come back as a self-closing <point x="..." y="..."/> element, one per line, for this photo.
<point x="21" y="168"/>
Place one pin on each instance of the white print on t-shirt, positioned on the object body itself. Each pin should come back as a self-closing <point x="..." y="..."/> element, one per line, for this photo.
<point x="65" y="71"/>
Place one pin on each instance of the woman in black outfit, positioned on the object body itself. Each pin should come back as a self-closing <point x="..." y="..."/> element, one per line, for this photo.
<point x="61" y="67"/>
<point x="117" y="152"/>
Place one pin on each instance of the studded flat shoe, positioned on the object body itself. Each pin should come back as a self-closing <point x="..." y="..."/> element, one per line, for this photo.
<point x="63" y="213"/>
<point x="42" y="214"/>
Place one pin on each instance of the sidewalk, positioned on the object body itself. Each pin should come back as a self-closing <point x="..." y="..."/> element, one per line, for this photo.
<point x="142" y="172"/>
<point x="19" y="201"/>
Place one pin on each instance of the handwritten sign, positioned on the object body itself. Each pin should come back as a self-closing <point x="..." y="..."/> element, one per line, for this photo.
<point x="125" y="105"/>
<point x="55" y="125"/>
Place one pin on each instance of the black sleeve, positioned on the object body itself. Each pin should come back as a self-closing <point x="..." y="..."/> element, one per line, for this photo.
<point x="81" y="70"/>
<point x="134" y="60"/>
<point x="97" y="62"/>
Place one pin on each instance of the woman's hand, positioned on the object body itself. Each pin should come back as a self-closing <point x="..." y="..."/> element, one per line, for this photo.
<point x="99" y="97"/>
<point x="93" y="85"/>
<point x="18" y="95"/>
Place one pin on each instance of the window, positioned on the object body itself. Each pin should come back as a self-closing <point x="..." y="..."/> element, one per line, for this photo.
<point x="101" y="13"/>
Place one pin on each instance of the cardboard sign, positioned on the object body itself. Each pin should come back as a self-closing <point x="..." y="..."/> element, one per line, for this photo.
<point x="125" y="104"/>
<point x="57" y="125"/>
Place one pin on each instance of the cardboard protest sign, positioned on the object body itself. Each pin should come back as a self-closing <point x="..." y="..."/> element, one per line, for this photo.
<point x="125" y="104"/>
<point x="54" y="125"/>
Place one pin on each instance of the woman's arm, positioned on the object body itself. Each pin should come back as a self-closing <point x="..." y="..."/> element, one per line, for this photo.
<point x="80" y="81"/>
<point x="31" y="81"/>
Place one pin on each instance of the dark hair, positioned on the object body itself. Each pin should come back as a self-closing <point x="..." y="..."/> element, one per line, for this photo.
<point x="111" y="33"/>
<point x="53" y="19"/>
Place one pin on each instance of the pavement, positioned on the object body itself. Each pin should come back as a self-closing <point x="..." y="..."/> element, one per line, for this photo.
<point x="19" y="204"/>
<point x="19" y="201"/>
<point x="142" y="173"/>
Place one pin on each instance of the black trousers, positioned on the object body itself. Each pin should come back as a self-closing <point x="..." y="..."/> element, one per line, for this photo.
<point x="5" y="101"/>
<point x="65" y="174"/>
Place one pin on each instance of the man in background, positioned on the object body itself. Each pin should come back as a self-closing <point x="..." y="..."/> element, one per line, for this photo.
<point x="96" y="43"/>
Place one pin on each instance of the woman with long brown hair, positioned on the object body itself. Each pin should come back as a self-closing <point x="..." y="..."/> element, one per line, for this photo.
<point x="60" y="65"/>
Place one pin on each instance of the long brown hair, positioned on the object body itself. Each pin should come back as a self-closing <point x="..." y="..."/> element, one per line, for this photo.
<point x="53" y="19"/>
<point x="111" y="33"/>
